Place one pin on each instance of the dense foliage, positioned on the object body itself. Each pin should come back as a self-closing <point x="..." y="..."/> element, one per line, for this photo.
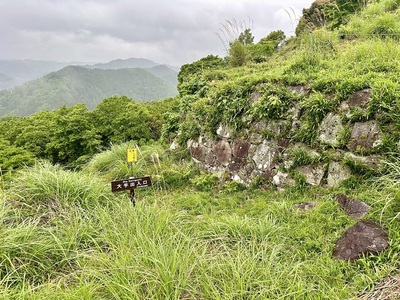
<point x="330" y="13"/>
<point x="71" y="135"/>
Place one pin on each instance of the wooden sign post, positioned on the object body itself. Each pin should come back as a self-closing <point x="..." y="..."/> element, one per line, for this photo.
<point x="131" y="184"/>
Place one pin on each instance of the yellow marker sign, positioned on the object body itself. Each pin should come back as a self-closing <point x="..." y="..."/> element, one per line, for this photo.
<point x="131" y="155"/>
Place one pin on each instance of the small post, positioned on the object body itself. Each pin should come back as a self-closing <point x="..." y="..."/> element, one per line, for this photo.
<point x="132" y="195"/>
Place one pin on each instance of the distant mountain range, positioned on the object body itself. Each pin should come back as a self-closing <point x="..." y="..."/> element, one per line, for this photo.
<point x="128" y="63"/>
<point x="17" y="72"/>
<point x="58" y="84"/>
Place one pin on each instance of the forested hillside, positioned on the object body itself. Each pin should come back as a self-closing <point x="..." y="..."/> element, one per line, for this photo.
<point x="74" y="84"/>
<point x="17" y="72"/>
<point x="201" y="231"/>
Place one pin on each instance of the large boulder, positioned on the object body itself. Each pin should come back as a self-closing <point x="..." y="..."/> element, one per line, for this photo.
<point x="365" y="237"/>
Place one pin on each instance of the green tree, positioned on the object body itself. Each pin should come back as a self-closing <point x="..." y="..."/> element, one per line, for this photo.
<point x="266" y="46"/>
<point x="119" y="119"/>
<point x="238" y="54"/>
<point x="246" y="37"/>
<point x="209" y="62"/>
<point x="11" y="128"/>
<point x="38" y="131"/>
<point x="275" y="37"/>
<point x="75" y="138"/>
<point x="12" y="157"/>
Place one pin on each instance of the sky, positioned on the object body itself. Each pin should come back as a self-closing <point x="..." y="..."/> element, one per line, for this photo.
<point x="171" y="32"/>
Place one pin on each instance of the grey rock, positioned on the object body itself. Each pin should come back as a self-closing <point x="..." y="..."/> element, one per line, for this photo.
<point x="277" y="127"/>
<point x="358" y="100"/>
<point x="365" y="237"/>
<point x="365" y="136"/>
<point x="255" y="96"/>
<point x="298" y="89"/>
<point x="265" y="155"/>
<point x="353" y="207"/>
<point x="295" y="112"/>
<point x="337" y="173"/>
<point x="305" y="206"/>
<point x="313" y="173"/>
<point x="330" y="130"/>
<point x="282" y="180"/>
<point x="304" y="148"/>
<point x="373" y="162"/>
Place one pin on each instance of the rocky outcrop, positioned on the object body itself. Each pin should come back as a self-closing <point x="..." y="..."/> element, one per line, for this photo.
<point x="269" y="148"/>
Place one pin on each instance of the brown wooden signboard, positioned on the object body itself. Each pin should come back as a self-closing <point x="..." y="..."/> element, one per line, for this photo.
<point x="130" y="183"/>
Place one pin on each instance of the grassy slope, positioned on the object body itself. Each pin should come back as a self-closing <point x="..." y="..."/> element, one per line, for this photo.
<point x="331" y="67"/>
<point x="65" y="236"/>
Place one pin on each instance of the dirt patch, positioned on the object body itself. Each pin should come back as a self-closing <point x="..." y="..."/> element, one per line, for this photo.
<point x="388" y="289"/>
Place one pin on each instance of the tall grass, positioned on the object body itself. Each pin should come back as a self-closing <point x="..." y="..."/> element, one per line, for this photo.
<point x="185" y="244"/>
<point x="166" y="168"/>
<point x="389" y="205"/>
<point x="46" y="184"/>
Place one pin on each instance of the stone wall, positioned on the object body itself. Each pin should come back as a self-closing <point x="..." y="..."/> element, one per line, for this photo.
<point x="267" y="148"/>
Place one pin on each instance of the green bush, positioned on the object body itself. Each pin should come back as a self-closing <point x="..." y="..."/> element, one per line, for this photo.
<point x="44" y="185"/>
<point x="12" y="157"/>
<point x="205" y="182"/>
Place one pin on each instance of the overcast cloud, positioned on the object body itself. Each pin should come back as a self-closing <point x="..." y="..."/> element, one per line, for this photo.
<point x="166" y="31"/>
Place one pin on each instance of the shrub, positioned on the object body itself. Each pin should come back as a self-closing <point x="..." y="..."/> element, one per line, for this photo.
<point x="238" y="54"/>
